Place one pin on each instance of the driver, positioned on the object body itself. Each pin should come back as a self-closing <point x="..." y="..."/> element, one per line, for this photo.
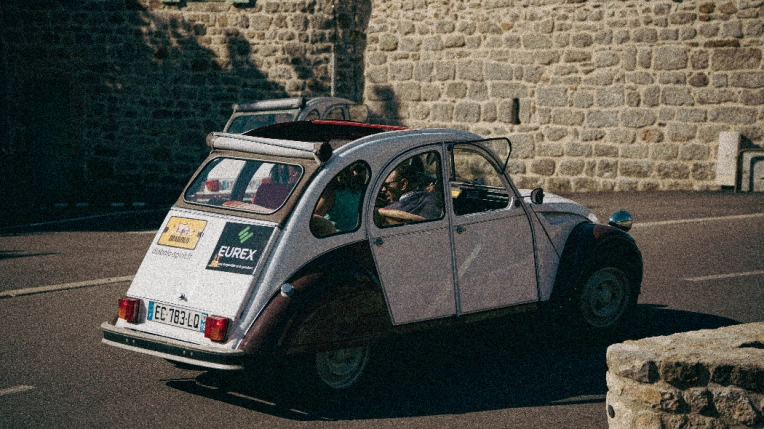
<point x="400" y="199"/>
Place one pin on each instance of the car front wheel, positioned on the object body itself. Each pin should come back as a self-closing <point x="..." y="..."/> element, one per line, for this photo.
<point x="340" y="369"/>
<point x="605" y="300"/>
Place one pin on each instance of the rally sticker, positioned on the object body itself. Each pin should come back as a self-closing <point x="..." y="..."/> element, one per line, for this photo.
<point x="239" y="248"/>
<point x="183" y="233"/>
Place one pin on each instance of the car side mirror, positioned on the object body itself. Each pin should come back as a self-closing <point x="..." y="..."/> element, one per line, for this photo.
<point x="621" y="220"/>
<point x="358" y="112"/>
<point x="537" y="196"/>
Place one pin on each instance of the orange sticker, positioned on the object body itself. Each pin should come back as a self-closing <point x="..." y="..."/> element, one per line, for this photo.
<point x="181" y="232"/>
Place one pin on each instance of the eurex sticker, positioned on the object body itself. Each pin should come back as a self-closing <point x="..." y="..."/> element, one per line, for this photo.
<point x="239" y="248"/>
<point x="182" y="232"/>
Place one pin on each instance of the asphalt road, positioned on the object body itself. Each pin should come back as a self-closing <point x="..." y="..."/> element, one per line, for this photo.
<point x="704" y="268"/>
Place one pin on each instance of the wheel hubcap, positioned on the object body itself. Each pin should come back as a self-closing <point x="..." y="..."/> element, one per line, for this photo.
<point x="341" y="368"/>
<point x="604" y="297"/>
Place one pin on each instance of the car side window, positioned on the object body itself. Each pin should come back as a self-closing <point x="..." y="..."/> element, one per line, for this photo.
<point x="476" y="184"/>
<point x="312" y="115"/>
<point x="339" y="207"/>
<point x="411" y="193"/>
<point x="336" y="113"/>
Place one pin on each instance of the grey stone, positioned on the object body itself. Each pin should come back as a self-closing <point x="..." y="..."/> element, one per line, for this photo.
<point x="735" y="58"/>
<point x="677" y="96"/>
<point x="552" y="96"/>
<point x="549" y="149"/>
<point x="733" y="115"/>
<point x="578" y="149"/>
<point x="716" y="96"/>
<point x="735" y="404"/>
<point x="635" y="168"/>
<point x="497" y="71"/>
<point x="602" y="118"/>
<point x="747" y="79"/>
<point x="536" y="41"/>
<point x="637" y="118"/>
<point x="679" y="132"/>
<point x="467" y="112"/>
<point x="543" y="167"/>
<point x="610" y="97"/>
<point x="670" y="58"/>
<point x="567" y="117"/>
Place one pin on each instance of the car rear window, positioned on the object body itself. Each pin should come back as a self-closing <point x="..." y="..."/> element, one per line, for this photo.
<point x="249" y="185"/>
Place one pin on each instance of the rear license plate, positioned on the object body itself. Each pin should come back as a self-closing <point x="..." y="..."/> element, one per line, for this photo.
<point x="176" y="316"/>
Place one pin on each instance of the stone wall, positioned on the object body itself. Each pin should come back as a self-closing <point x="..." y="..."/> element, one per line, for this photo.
<point x="595" y="95"/>
<point x="136" y="85"/>
<point x="702" y="379"/>
<point x="612" y="95"/>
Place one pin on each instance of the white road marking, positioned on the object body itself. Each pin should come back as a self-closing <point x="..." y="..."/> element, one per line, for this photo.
<point x="64" y="286"/>
<point x="696" y="220"/>
<point x="81" y="218"/>
<point x="579" y="399"/>
<point x="15" y="389"/>
<point x="724" y="276"/>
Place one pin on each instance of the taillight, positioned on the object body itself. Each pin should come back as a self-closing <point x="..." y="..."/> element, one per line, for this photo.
<point x="216" y="328"/>
<point x="129" y="308"/>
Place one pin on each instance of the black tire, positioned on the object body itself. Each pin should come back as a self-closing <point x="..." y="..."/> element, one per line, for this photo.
<point x="342" y="369"/>
<point x="604" y="302"/>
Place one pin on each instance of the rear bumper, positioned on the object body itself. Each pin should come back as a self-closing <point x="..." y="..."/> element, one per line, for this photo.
<point x="174" y="350"/>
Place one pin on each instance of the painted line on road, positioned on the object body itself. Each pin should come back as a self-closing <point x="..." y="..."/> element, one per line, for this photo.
<point x="15" y="389"/>
<point x="581" y="399"/>
<point x="724" y="276"/>
<point x="702" y="219"/>
<point x="78" y="219"/>
<point x="63" y="286"/>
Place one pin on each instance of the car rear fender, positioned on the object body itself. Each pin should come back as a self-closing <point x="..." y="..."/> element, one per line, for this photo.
<point x="588" y="246"/>
<point x="334" y="301"/>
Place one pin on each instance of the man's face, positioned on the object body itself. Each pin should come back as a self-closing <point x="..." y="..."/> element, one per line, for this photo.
<point x="393" y="188"/>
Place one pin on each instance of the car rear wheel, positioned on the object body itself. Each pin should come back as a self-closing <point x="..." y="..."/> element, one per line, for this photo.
<point x="605" y="300"/>
<point x="340" y="369"/>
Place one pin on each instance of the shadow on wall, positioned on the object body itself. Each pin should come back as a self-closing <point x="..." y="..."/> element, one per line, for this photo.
<point x="387" y="109"/>
<point x="124" y="93"/>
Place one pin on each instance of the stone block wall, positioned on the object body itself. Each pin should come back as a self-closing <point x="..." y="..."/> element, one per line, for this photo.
<point x="139" y="84"/>
<point x="703" y="379"/>
<point x="595" y="95"/>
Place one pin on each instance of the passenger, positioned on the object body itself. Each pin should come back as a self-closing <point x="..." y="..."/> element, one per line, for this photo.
<point x="340" y="201"/>
<point x="347" y="198"/>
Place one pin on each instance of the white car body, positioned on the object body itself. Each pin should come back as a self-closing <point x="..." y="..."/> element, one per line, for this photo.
<point x="453" y="268"/>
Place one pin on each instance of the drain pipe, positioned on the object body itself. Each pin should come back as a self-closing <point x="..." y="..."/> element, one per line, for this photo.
<point x="333" y="64"/>
<point x="334" y="69"/>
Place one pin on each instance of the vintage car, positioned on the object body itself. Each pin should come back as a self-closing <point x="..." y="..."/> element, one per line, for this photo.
<point x="248" y="116"/>
<point x="324" y="237"/>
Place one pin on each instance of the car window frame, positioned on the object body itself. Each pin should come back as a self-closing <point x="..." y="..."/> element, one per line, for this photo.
<point x="298" y="186"/>
<point x="361" y="201"/>
<point x="391" y="165"/>
<point x="488" y="155"/>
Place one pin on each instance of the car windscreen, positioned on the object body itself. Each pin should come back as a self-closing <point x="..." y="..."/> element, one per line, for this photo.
<point x="249" y="185"/>
<point x="250" y="121"/>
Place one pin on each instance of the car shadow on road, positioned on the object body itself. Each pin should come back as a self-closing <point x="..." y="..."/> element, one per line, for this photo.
<point x="519" y="362"/>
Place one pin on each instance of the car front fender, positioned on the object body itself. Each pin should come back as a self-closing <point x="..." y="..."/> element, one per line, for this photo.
<point x="588" y="246"/>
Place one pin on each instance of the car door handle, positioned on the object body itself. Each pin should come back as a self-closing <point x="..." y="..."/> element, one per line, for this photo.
<point x="460" y="229"/>
<point x="378" y="241"/>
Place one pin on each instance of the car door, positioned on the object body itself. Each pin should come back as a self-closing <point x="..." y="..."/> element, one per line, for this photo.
<point x="412" y="251"/>
<point x="492" y="236"/>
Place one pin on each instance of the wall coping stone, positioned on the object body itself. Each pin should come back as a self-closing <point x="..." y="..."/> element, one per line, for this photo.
<point x="711" y="378"/>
